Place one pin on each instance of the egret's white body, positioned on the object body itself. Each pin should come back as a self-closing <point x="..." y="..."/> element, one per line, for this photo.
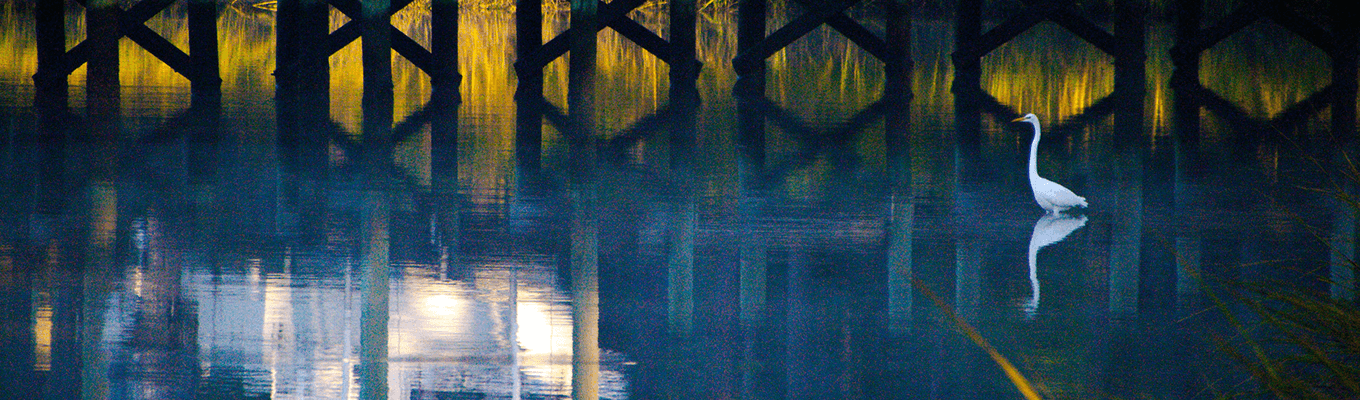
<point x="1050" y="195"/>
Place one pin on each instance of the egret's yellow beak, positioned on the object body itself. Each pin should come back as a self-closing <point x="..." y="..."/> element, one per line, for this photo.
<point x="1018" y="119"/>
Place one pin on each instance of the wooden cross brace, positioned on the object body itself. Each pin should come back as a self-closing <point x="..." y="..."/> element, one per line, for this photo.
<point x="1291" y="117"/>
<point x="614" y="15"/>
<point x="402" y="44"/>
<point x="1255" y="10"/>
<point x="832" y="15"/>
<point x="1036" y="11"/>
<point x="132" y="25"/>
<point x="815" y="141"/>
<point x="1094" y="113"/>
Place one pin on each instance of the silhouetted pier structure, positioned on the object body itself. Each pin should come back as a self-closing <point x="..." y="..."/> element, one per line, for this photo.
<point x="1195" y="35"/>
<point x="753" y="46"/>
<point x="1126" y="43"/>
<point x="107" y="22"/>
<point x="303" y="67"/>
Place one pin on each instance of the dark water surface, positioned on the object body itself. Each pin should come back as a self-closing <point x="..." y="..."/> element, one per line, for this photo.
<point x="801" y="248"/>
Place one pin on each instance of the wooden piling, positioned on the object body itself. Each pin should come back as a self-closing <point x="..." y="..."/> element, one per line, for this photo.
<point x="377" y="100"/>
<point x="751" y="137"/>
<point x="967" y="30"/>
<point x="898" y="233"/>
<point x="968" y="119"/>
<point x="375" y="268"/>
<point x="1130" y="33"/>
<point x="1183" y="58"/>
<point x="444" y="180"/>
<point x="581" y="66"/>
<point x="302" y="71"/>
<point x="287" y="15"/>
<point x="444" y="148"/>
<point x="528" y="146"/>
<point x="1128" y="119"/>
<point x="313" y="64"/>
<point x="683" y="65"/>
<point x="377" y="55"/>
<point x="1185" y="108"/>
<point x="102" y="88"/>
<point x="376" y="147"/>
<point x="1346" y="35"/>
<point x="528" y="39"/>
<point x="444" y="46"/>
<point x="205" y="81"/>
<point x="750" y="32"/>
<point x="50" y="82"/>
<point x="897" y="69"/>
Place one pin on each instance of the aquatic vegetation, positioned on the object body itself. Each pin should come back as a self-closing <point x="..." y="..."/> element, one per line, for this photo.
<point x="1295" y="343"/>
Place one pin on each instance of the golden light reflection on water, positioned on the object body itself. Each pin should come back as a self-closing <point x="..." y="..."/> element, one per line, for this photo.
<point x="1057" y="82"/>
<point x="42" y="331"/>
<point x="1047" y="71"/>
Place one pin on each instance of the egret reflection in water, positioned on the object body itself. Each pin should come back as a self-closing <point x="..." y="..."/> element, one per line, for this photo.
<point x="1049" y="229"/>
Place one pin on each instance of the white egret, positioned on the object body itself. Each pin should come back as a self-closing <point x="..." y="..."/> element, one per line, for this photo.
<point x="1049" y="229"/>
<point x="1050" y="195"/>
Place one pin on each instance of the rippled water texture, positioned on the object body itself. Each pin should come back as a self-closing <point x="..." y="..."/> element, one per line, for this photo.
<point x="800" y="248"/>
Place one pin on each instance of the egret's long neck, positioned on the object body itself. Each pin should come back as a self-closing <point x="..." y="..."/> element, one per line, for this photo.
<point x="1034" y="153"/>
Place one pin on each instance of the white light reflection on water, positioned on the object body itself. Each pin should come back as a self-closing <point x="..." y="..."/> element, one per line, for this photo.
<point x="444" y="335"/>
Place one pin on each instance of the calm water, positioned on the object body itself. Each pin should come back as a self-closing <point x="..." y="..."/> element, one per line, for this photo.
<point x="252" y="253"/>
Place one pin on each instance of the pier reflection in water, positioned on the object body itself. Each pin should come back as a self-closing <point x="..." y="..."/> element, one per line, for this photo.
<point x="342" y="244"/>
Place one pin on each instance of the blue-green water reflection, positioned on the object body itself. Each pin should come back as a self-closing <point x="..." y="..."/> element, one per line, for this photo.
<point x="723" y="249"/>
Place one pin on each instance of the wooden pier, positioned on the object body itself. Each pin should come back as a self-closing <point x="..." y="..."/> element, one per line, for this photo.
<point x="1340" y="42"/>
<point x="303" y="70"/>
<point x="106" y="23"/>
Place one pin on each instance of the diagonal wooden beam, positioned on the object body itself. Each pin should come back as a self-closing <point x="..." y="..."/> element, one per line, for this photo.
<point x="860" y="36"/>
<point x="346" y="34"/>
<point x="1235" y="21"/>
<point x="855" y="32"/>
<point x="1093" y="113"/>
<point x="1086" y="30"/>
<point x="414" y="52"/>
<point x="640" y="129"/>
<point x="401" y="43"/>
<point x="162" y="49"/>
<point x="991" y="105"/>
<point x="753" y="58"/>
<point x="1297" y="114"/>
<point x="354" y="10"/>
<point x="135" y="16"/>
<point x="816" y="142"/>
<point x="558" y="46"/>
<point x="1234" y="115"/>
<point x="642" y="36"/>
<point x="550" y="112"/>
<point x="1291" y="20"/>
<point x="996" y="37"/>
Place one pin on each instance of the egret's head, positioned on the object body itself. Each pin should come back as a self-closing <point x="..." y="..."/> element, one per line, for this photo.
<point x="1030" y="118"/>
